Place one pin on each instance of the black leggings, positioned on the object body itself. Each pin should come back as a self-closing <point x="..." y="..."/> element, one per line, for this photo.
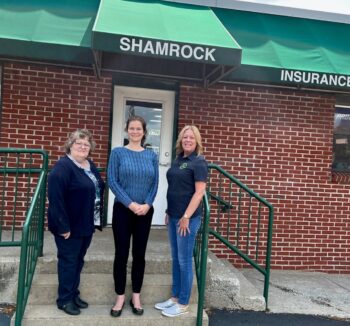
<point x="126" y="224"/>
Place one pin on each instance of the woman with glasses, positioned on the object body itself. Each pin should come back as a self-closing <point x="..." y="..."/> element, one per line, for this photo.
<point x="133" y="178"/>
<point x="75" y="192"/>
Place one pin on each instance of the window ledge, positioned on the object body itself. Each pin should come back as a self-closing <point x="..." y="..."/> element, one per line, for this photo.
<point x="341" y="177"/>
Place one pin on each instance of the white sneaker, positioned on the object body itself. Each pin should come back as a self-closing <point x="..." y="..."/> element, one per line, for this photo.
<point x="175" y="310"/>
<point x="165" y="304"/>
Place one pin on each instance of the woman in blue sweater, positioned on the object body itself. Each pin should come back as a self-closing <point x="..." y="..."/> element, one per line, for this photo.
<point x="133" y="178"/>
<point x="75" y="191"/>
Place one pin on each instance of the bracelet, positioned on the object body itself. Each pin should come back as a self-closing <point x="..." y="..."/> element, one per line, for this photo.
<point x="185" y="216"/>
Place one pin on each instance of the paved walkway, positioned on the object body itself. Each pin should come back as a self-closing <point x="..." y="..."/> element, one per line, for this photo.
<point x="240" y="318"/>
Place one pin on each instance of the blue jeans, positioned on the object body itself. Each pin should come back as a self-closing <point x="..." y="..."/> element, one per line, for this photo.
<point x="182" y="252"/>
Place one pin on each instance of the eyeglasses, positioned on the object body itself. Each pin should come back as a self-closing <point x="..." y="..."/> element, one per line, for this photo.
<point x="80" y="144"/>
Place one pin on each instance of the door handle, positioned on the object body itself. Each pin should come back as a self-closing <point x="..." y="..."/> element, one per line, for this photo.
<point x="163" y="164"/>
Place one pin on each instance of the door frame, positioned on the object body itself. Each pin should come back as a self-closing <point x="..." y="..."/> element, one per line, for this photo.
<point x="123" y="80"/>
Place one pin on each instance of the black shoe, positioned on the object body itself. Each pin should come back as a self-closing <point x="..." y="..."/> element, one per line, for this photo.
<point x="70" y="308"/>
<point x="136" y="311"/>
<point x="80" y="303"/>
<point x="117" y="313"/>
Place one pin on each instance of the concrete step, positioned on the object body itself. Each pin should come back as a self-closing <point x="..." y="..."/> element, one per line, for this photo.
<point x="8" y="277"/>
<point x="227" y="288"/>
<point x="100" y="255"/>
<point x="99" y="315"/>
<point x="155" y="264"/>
<point x="98" y="289"/>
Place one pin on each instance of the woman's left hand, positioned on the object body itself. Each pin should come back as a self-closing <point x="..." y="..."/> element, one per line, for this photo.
<point x="143" y="209"/>
<point x="183" y="226"/>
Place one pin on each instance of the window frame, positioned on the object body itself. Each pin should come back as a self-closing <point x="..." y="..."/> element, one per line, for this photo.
<point x="341" y="140"/>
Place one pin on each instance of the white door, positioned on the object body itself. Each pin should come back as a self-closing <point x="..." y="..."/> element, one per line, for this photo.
<point x="157" y="108"/>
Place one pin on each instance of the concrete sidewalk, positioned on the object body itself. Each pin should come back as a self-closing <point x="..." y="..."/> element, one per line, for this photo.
<point x="310" y="293"/>
<point x="295" y="298"/>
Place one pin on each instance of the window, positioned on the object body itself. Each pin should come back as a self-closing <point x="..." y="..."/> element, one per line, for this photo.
<point x="341" y="141"/>
<point x="1" y="70"/>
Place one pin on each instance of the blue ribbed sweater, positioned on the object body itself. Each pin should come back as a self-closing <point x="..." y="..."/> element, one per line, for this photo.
<point x="133" y="176"/>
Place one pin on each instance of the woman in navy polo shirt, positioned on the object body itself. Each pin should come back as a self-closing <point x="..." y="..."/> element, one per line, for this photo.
<point x="187" y="179"/>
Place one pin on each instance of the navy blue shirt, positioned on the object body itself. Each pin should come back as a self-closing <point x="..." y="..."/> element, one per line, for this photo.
<point x="71" y="196"/>
<point x="182" y="176"/>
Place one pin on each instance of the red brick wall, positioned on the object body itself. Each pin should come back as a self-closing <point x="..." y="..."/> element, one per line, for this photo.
<point x="41" y="105"/>
<point x="279" y="143"/>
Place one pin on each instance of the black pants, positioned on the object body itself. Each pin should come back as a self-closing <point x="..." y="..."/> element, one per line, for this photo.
<point x="70" y="254"/>
<point x="126" y="225"/>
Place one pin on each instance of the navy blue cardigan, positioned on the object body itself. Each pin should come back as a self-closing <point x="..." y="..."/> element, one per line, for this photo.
<point x="71" y="196"/>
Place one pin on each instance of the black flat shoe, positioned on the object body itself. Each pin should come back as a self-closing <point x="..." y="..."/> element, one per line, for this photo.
<point x="70" y="308"/>
<point x="136" y="311"/>
<point x="117" y="313"/>
<point x="80" y="303"/>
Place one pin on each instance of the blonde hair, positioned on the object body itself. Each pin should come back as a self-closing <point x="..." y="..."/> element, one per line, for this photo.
<point x="197" y="137"/>
<point x="79" y="134"/>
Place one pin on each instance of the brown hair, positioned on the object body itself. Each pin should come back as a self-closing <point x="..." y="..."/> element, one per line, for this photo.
<point x="144" y="126"/>
<point x="79" y="134"/>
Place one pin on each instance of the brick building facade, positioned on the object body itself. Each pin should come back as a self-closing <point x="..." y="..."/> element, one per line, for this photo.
<point x="278" y="141"/>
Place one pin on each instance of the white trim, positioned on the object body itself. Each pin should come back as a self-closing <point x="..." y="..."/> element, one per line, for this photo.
<point x="342" y="106"/>
<point x="167" y="99"/>
<point x="325" y="8"/>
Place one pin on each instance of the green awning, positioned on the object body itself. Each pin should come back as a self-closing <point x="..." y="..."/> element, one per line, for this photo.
<point x="152" y="28"/>
<point x="289" y="50"/>
<point x="47" y="30"/>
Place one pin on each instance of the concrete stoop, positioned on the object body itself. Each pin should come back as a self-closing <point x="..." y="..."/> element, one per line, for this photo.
<point x="98" y="290"/>
<point x="8" y="279"/>
<point x="97" y="287"/>
<point x="9" y="263"/>
<point x="98" y="315"/>
<point x="226" y="287"/>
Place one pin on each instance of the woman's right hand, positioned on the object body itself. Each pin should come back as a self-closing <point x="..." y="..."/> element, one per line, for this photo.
<point x="138" y="209"/>
<point x="65" y="235"/>
<point x="134" y="207"/>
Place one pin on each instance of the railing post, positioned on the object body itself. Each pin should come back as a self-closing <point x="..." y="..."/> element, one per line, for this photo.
<point x="203" y="262"/>
<point x="45" y="167"/>
<point x="268" y="256"/>
<point x="20" y="304"/>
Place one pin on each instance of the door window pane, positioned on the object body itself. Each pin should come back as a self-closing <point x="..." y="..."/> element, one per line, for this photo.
<point x="341" y="142"/>
<point x="152" y="113"/>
